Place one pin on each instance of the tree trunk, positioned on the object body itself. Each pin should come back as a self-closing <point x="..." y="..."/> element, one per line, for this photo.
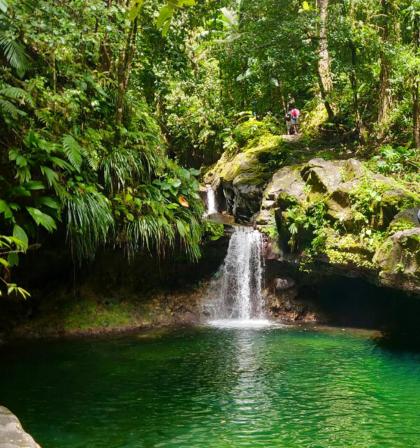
<point x="387" y="34"/>
<point x="385" y="100"/>
<point x="416" y="107"/>
<point x="324" y="65"/>
<point x="354" y="88"/>
<point x="123" y="72"/>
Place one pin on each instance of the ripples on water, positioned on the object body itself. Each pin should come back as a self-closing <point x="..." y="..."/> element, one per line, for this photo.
<point x="212" y="387"/>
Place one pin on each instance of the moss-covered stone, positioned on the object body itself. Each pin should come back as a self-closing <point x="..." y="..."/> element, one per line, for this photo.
<point x="342" y="215"/>
<point x="242" y="176"/>
<point x="399" y="259"/>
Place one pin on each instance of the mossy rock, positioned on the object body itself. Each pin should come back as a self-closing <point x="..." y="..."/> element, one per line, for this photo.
<point x="399" y="260"/>
<point x="241" y="177"/>
<point x="356" y="206"/>
<point x="406" y="219"/>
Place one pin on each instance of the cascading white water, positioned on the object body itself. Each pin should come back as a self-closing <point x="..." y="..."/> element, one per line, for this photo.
<point x="211" y="201"/>
<point x="235" y="296"/>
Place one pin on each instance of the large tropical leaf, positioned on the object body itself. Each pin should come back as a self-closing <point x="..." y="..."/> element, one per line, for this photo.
<point x="42" y="219"/>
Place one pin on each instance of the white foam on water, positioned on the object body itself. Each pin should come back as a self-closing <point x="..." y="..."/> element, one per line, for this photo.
<point x="241" y="323"/>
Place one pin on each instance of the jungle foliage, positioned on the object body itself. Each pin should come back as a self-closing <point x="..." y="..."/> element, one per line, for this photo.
<point x="103" y="103"/>
<point x="82" y="152"/>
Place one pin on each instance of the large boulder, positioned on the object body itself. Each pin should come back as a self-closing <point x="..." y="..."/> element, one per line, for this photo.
<point x="339" y="216"/>
<point x="12" y="435"/>
<point x="286" y="187"/>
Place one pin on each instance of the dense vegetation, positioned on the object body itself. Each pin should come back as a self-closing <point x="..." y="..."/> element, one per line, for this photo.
<point x="109" y="108"/>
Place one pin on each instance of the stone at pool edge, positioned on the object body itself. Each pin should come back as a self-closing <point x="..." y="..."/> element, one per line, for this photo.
<point x="12" y="435"/>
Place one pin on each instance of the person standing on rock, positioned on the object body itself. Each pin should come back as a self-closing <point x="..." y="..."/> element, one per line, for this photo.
<point x="295" y="113"/>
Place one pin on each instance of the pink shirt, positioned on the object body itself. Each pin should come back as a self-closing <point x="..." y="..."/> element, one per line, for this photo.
<point x="295" y="113"/>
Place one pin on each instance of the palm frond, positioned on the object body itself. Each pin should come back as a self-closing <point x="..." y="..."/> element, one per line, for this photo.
<point x="89" y="222"/>
<point x="122" y="166"/>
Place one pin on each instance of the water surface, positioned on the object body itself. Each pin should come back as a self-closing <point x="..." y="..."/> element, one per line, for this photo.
<point x="212" y="387"/>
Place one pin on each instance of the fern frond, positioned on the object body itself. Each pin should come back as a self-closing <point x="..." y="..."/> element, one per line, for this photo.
<point x="8" y="108"/>
<point x="44" y="116"/>
<point x="15" y="93"/>
<point x="73" y="151"/>
<point x="15" y="54"/>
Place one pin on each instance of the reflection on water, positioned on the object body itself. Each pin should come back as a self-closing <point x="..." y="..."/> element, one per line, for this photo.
<point x="213" y="387"/>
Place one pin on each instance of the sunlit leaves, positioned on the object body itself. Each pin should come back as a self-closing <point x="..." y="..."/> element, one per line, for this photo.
<point x="135" y="8"/>
<point x="305" y="7"/>
<point x="42" y="219"/>
<point x="3" y="6"/>
<point x="167" y="11"/>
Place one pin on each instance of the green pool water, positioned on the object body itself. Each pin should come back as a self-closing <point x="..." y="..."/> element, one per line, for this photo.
<point x="208" y="387"/>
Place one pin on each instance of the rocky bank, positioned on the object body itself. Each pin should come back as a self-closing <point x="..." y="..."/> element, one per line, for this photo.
<point x="12" y="435"/>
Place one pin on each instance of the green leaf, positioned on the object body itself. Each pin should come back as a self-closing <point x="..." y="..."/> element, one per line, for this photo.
<point x="42" y="219"/>
<point x="19" y="233"/>
<point x="50" y="175"/>
<point x="13" y="259"/>
<point x="4" y="208"/>
<point x="49" y="202"/>
<point x="195" y="172"/>
<point x="15" y="93"/>
<point x="3" y="6"/>
<point x="34" y="185"/>
<point x="21" y="161"/>
<point x="164" y="18"/>
<point x="175" y="183"/>
<point x="20" y="191"/>
<point x="135" y="9"/>
<point x="15" y="53"/>
<point x="61" y="163"/>
<point x="306" y="6"/>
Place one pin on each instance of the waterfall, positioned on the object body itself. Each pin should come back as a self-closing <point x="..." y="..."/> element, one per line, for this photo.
<point x="235" y="295"/>
<point x="211" y="201"/>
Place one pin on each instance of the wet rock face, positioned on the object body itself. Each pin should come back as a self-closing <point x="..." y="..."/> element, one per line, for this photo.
<point x="283" y="303"/>
<point x="239" y="179"/>
<point x="363" y="221"/>
<point x="12" y="435"/>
